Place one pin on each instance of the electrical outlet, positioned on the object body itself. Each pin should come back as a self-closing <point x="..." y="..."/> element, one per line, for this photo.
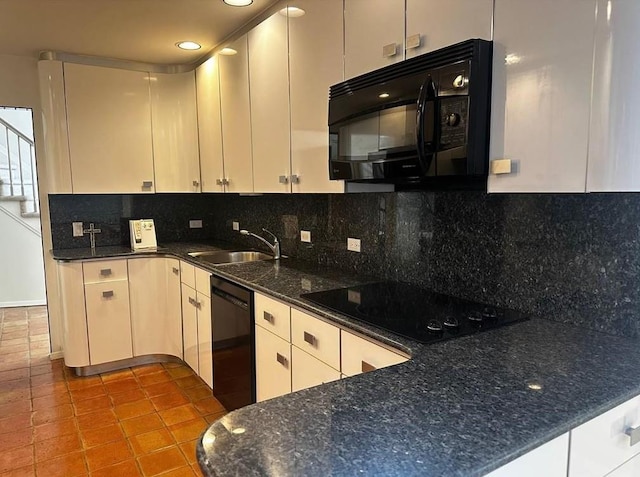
<point x="235" y="225"/>
<point x="77" y="229"/>
<point x="353" y="244"/>
<point x="305" y="236"/>
<point x="195" y="224"/>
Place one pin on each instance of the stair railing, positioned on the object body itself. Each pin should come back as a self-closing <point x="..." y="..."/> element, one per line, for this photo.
<point x="18" y="184"/>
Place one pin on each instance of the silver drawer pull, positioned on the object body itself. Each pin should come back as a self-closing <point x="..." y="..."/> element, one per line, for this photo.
<point x="105" y="272"/>
<point x="196" y="183"/>
<point x="500" y="166"/>
<point x="268" y="317"/>
<point x="281" y="359"/>
<point x="366" y="367"/>
<point x="309" y="338"/>
<point x="147" y="184"/>
<point x="295" y="179"/>
<point x="634" y="434"/>
<point x="219" y="182"/>
<point x="283" y="179"/>
<point x="389" y="50"/>
<point x="192" y="301"/>
<point x="107" y="294"/>
<point x="176" y="270"/>
<point x="198" y="305"/>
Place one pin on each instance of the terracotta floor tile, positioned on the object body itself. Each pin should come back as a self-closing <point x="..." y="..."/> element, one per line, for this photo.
<point x="168" y="401"/>
<point x="14" y="385"/>
<point x="134" y="409"/>
<point x="83" y="394"/>
<point x="49" y="388"/>
<point x="56" y="447"/>
<point x="121" y="385"/>
<point x="128" y="396"/>
<point x="142" y="424"/>
<point x="17" y="421"/>
<point x="92" y="405"/>
<point x="15" y="458"/>
<point x="16" y="438"/>
<point x="15" y="407"/>
<point x="14" y="395"/>
<point x="115" y="375"/>
<point x="209" y="405"/>
<point x="198" y="392"/>
<point x="188" y="431"/>
<point x="155" y="378"/>
<point x="55" y="429"/>
<point x="181" y="472"/>
<point x="79" y="382"/>
<point x="196" y="470"/>
<point x="97" y="420"/>
<point x="107" y="455"/>
<point x="27" y="471"/>
<point x="161" y="461"/>
<point x="127" y="468"/>
<point x="151" y="441"/>
<point x="189" y="382"/>
<point x="161" y="388"/>
<point x="69" y="465"/>
<point x="211" y="418"/>
<point x="189" y="450"/>
<point x="147" y="369"/>
<point x="47" y="378"/>
<point x="179" y="372"/>
<point x="51" y="400"/>
<point x="18" y="341"/>
<point x="179" y="414"/>
<point x="52" y="414"/>
<point x="14" y="348"/>
<point x="101" y="436"/>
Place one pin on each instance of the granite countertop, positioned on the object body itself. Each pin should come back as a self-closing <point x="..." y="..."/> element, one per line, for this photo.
<point x="461" y="407"/>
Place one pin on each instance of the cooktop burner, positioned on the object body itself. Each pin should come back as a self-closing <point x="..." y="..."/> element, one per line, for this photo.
<point x="414" y="312"/>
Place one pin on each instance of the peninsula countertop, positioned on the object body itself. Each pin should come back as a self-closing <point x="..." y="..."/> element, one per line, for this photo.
<point x="461" y="407"/>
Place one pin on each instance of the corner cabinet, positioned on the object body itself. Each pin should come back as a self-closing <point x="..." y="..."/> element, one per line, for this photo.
<point x="109" y="129"/>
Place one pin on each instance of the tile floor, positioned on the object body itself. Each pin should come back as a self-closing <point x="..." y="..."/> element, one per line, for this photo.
<point x="141" y="421"/>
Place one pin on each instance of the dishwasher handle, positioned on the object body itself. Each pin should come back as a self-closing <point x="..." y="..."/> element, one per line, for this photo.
<point x="230" y="298"/>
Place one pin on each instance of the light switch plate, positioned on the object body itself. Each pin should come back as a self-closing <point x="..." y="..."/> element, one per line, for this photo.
<point x="235" y="225"/>
<point x="195" y="224"/>
<point x="305" y="236"/>
<point x="77" y="229"/>
<point x="353" y="245"/>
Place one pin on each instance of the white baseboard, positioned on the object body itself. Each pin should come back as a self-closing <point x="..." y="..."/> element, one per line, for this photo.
<point x="56" y="355"/>
<point x="14" y="304"/>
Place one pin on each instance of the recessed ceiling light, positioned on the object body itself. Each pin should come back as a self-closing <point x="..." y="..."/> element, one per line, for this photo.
<point x="228" y="51"/>
<point x="292" y="12"/>
<point x="238" y="3"/>
<point x="383" y="95"/>
<point x="188" y="45"/>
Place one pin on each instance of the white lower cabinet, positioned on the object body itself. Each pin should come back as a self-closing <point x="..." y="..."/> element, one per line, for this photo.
<point x="75" y="344"/>
<point x="307" y="371"/>
<point x="273" y="365"/>
<point x="190" y="327"/>
<point x="361" y="356"/>
<point x="205" y="350"/>
<point x="628" y="469"/>
<point x="548" y="460"/>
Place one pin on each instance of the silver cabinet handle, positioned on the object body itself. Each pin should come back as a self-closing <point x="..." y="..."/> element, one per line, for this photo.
<point x="413" y="41"/>
<point x="366" y="367"/>
<point x="225" y="181"/>
<point x="309" y="338"/>
<point x="268" y="317"/>
<point x="219" y="182"/>
<point x="196" y="183"/>
<point x="281" y="359"/>
<point x="107" y="294"/>
<point x="192" y="301"/>
<point x="198" y="305"/>
<point x="147" y="184"/>
<point x="634" y="434"/>
<point x="500" y="166"/>
<point x="283" y="179"/>
<point x="295" y="179"/>
<point x="176" y="270"/>
<point x="105" y="272"/>
<point x="389" y="50"/>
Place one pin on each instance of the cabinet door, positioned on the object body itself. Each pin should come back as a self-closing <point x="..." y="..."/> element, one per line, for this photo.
<point x="549" y="459"/>
<point x="236" y="118"/>
<point x="210" y="125"/>
<point x="541" y="94"/>
<point x="205" y="356"/>
<point x="272" y="315"/>
<point x="614" y="141"/>
<point x="317" y="337"/>
<point x="273" y="365"/>
<point x="190" y="327"/>
<point x="175" y="132"/>
<point x="269" y="87"/>
<point x="373" y="35"/>
<point x="441" y="24"/>
<point x="108" y="321"/>
<point x="307" y="371"/>
<point x="629" y="469"/>
<point x="109" y="120"/>
<point x="174" y="307"/>
<point x="74" y="317"/>
<point x="360" y="355"/>
<point x="319" y="30"/>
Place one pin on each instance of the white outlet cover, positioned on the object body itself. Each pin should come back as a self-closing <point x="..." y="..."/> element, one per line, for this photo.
<point x="235" y="225"/>
<point x="353" y="245"/>
<point x="305" y="236"/>
<point x="195" y="224"/>
<point x="77" y="229"/>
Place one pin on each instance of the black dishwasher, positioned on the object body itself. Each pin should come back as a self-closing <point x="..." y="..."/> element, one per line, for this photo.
<point x="233" y="344"/>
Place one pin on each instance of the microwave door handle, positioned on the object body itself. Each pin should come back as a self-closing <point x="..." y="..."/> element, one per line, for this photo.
<point x="423" y="98"/>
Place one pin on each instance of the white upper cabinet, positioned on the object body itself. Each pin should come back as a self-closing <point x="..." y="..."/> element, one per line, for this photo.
<point x="319" y="31"/>
<point x="175" y="132"/>
<point x="236" y="118"/>
<point x="210" y="126"/>
<point x="434" y="24"/>
<point x="108" y="113"/>
<point x="541" y="94"/>
<point x="373" y="35"/>
<point x="615" y="143"/>
<point x="269" y="87"/>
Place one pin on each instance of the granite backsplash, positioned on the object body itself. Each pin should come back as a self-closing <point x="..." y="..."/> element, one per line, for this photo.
<point x="572" y="258"/>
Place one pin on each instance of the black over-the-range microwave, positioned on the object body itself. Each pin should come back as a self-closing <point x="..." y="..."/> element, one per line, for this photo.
<point x="424" y="121"/>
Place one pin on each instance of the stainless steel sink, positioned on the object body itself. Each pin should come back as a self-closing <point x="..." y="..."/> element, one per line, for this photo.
<point x="222" y="257"/>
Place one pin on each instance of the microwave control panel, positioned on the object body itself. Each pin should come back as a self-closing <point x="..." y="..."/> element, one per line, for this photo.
<point x="454" y="115"/>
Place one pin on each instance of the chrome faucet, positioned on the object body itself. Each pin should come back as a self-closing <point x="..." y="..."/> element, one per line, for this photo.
<point x="275" y="248"/>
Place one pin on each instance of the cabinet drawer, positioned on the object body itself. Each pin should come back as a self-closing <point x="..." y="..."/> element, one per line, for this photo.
<point x="307" y="371"/>
<point x="628" y="469"/>
<point x="273" y="365"/>
<point x="273" y="316"/>
<point x="601" y="445"/>
<point x="548" y="460"/>
<point x="104" y="271"/>
<point x="188" y="274"/>
<point x="360" y="355"/>
<point x="316" y="337"/>
<point x="203" y="281"/>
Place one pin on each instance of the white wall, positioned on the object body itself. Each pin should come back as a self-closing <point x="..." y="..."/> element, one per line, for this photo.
<point x="19" y="87"/>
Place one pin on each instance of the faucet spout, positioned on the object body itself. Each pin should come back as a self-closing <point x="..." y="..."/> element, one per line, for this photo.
<point x="275" y="248"/>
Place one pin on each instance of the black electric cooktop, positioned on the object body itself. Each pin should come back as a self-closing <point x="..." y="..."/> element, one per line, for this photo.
<point x="414" y="312"/>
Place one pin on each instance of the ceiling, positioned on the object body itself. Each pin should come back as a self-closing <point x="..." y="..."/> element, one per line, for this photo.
<point x="137" y="30"/>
